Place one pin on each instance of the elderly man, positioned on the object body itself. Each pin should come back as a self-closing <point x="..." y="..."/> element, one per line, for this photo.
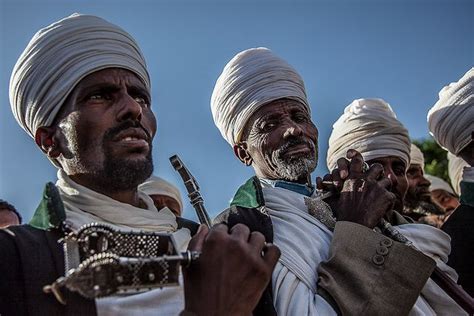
<point x="163" y="193"/>
<point x="260" y="106"/>
<point x="81" y="89"/>
<point x="450" y="121"/>
<point x="8" y="215"/>
<point x="371" y="127"/>
<point x="418" y="202"/>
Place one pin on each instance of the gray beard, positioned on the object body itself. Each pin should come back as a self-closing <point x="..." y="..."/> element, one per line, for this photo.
<point x="294" y="168"/>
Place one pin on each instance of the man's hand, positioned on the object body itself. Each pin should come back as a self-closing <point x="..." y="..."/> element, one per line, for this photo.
<point x="360" y="196"/>
<point x="232" y="272"/>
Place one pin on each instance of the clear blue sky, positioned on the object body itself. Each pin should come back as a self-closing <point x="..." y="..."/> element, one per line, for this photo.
<point x="401" y="51"/>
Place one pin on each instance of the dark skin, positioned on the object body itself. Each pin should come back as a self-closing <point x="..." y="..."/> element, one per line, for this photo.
<point x="418" y="186"/>
<point x="268" y="129"/>
<point x="162" y="201"/>
<point x="362" y="197"/>
<point x="232" y="262"/>
<point x="273" y="124"/>
<point x="445" y="199"/>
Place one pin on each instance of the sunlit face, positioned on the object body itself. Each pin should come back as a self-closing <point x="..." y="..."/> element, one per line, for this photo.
<point x="162" y="201"/>
<point x="418" y="187"/>
<point x="448" y="201"/>
<point x="282" y="141"/>
<point x="394" y="169"/>
<point x="108" y="130"/>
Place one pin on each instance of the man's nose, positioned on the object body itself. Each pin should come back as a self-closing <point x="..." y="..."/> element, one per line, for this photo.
<point x="129" y="108"/>
<point x="292" y="129"/>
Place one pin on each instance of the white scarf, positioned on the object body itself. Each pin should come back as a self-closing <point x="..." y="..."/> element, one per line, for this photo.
<point x="85" y="206"/>
<point x="304" y="243"/>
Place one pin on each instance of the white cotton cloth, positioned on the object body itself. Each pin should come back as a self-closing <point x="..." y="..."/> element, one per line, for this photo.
<point x="438" y="184"/>
<point x="455" y="170"/>
<point x="294" y="279"/>
<point x="416" y="157"/>
<point x="84" y="206"/>
<point x="371" y="127"/>
<point x="58" y="57"/>
<point x="468" y="174"/>
<point x="451" y="119"/>
<point x="436" y="244"/>
<point x="254" y="77"/>
<point x="159" y="186"/>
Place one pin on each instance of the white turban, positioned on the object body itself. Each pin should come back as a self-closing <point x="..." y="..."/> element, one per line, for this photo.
<point x="370" y="127"/>
<point x="58" y="57"/>
<point x="416" y="157"/>
<point x="159" y="186"/>
<point x="455" y="170"/>
<point x="251" y="79"/>
<point x="438" y="184"/>
<point x="451" y="119"/>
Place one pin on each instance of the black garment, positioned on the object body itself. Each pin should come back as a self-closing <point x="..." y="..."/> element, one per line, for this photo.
<point x="460" y="226"/>
<point x="31" y="258"/>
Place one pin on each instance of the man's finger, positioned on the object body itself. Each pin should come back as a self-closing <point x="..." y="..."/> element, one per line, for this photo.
<point x="240" y="231"/>
<point x="257" y="241"/>
<point x="375" y="172"/>
<point x="271" y="254"/>
<point x="343" y="166"/>
<point x="195" y="244"/>
<point x="357" y="162"/>
<point x="386" y="183"/>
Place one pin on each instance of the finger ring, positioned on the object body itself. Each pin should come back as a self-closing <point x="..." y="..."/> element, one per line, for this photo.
<point x="365" y="167"/>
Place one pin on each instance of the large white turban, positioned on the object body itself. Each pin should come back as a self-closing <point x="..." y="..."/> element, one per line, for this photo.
<point x="254" y="77"/>
<point x="455" y="170"/>
<point x="58" y="57"/>
<point x="451" y="119"/>
<point x="438" y="184"/>
<point x="371" y="127"/>
<point x="159" y="186"/>
<point x="416" y="157"/>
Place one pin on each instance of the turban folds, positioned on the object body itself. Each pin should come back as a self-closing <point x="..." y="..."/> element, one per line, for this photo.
<point x="159" y="186"/>
<point x="451" y="119"/>
<point x="254" y="77"/>
<point x="455" y="170"/>
<point x="58" y="57"/>
<point x="438" y="184"/>
<point x="416" y="156"/>
<point x="370" y="127"/>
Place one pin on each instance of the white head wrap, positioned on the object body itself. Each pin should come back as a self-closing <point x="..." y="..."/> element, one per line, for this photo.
<point x="451" y="119"/>
<point x="371" y="127"/>
<point x="159" y="186"/>
<point x="416" y="157"/>
<point x="455" y="170"/>
<point x="251" y="79"/>
<point x="438" y="184"/>
<point x="58" y="57"/>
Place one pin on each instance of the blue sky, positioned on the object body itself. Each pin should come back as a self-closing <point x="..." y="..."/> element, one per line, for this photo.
<point x="401" y="51"/>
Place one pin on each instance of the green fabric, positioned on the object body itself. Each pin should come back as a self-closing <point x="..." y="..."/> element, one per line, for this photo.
<point x="249" y="195"/>
<point x="50" y="212"/>
<point x="467" y="193"/>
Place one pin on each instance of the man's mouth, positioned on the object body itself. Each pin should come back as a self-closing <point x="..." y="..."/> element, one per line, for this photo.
<point x="299" y="148"/>
<point x="133" y="138"/>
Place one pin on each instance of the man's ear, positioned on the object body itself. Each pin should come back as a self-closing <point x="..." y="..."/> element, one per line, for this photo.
<point x="240" y="150"/>
<point x="46" y="139"/>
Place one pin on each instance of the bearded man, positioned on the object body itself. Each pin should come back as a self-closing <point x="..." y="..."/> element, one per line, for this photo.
<point x="371" y="127"/>
<point x="260" y="106"/>
<point x="81" y="89"/>
<point x="418" y="203"/>
<point x="450" y="121"/>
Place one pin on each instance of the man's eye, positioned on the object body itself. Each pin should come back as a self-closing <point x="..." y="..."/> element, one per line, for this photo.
<point x="265" y="127"/>
<point x="300" y="118"/>
<point x="142" y="100"/>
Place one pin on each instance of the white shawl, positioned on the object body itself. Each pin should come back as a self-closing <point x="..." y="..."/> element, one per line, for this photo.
<point x="304" y="243"/>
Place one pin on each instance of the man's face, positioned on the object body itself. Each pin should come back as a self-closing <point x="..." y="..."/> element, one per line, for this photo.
<point x="445" y="199"/>
<point x="162" y="201"/>
<point x="394" y="169"/>
<point x="282" y="141"/>
<point x="107" y="129"/>
<point x="8" y="218"/>
<point x="418" y="187"/>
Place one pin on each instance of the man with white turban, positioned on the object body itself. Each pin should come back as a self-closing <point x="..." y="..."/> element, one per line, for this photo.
<point x="451" y="122"/>
<point x="327" y="267"/>
<point x="371" y="127"/>
<point x="455" y="170"/>
<point x="81" y="89"/>
<point x="418" y="202"/>
<point x="443" y="194"/>
<point x="163" y="193"/>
